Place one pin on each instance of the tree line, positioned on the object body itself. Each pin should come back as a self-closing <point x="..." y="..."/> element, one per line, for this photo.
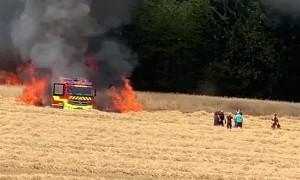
<point x="240" y="48"/>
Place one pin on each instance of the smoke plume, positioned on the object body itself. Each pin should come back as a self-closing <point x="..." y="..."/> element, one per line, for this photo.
<point x="115" y="60"/>
<point x="9" y="9"/>
<point x="57" y="34"/>
<point x="113" y="56"/>
<point x="287" y="6"/>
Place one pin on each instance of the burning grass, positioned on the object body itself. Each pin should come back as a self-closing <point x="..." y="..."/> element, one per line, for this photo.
<point x="36" y="88"/>
<point x="125" y="99"/>
<point x="185" y="103"/>
<point x="27" y="76"/>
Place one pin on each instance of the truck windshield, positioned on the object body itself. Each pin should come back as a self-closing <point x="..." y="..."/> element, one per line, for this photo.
<point x="81" y="91"/>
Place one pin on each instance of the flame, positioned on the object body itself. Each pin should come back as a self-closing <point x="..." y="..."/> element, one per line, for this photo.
<point x="92" y="63"/>
<point x="9" y="78"/>
<point x="34" y="93"/>
<point x="124" y="99"/>
<point x="35" y="90"/>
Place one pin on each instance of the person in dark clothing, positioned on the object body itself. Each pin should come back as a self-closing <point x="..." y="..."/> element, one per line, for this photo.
<point x="222" y="118"/>
<point x="275" y="122"/>
<point x="216" y="118"/>
<point x="229" y="121"/>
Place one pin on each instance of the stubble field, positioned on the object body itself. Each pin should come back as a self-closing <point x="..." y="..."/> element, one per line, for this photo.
<point x="46" y="143"/>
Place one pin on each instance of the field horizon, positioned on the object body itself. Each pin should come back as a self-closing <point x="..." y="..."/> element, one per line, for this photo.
<point x="48" y="143"/>
<point x="189" y="103"/>
<point x="154" y="101"/>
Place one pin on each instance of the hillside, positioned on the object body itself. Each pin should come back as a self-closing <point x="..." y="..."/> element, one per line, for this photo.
<point x="46" y="143"/>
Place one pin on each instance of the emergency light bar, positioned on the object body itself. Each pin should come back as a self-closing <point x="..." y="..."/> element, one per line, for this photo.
<point x="77" y="81"/>
<point x="80" y="83"/>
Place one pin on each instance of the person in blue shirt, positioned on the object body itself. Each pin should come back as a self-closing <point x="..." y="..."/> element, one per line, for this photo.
<point x="239" y="120"/>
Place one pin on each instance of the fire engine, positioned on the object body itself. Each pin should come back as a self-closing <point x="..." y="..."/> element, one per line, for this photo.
<point x="73" y="94"/>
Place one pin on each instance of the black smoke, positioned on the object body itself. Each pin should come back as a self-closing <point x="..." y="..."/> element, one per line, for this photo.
<point x="58" y="34"/>
<point x="284" y="6"/>
<point x="113" y="56"/>
<point x="9" y="11"/>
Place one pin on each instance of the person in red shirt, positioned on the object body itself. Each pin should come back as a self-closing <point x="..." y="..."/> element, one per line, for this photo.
<point x="229" y="120"/>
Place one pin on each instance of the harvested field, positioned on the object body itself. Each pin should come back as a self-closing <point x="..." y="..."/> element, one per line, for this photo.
<point x="47" y="143"/>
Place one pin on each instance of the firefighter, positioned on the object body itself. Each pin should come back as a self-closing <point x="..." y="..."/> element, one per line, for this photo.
<point x="229" y="120"/>
<point x="222" y="118"/>
<point x="275" y="122"/>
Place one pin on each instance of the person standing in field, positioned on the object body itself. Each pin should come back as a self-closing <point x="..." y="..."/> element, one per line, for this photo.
<point x="229" y="121"/>
<point x="239" y="111"/>
<point x="216" y="118"/>
<point x="235" y="119"/>
<point x="239" y="120"/>
<point x="275" y="122"/>
<point x="222" y="118"/>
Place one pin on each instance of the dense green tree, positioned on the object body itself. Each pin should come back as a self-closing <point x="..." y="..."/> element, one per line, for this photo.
<point x="247" y="65"/>
<point x="286" y="30"/>
<point x="168" y="37"/>
<point x="225" y="47"/>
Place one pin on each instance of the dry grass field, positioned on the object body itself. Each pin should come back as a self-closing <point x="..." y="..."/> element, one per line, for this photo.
<point x="179" y="143"/>
<point x="193" y="103"/>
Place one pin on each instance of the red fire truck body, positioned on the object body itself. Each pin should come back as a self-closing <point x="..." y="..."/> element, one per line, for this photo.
<point x="73" y="94"/>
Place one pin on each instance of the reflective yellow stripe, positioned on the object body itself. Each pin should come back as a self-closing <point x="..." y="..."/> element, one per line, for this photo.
<point x="81" y="86"/>
<point x="62" y="102"/>
<point x="56" y="98"/>
<point x="80" y="98"/>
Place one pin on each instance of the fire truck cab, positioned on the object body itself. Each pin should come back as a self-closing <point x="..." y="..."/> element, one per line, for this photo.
<point x="73" y="94"/>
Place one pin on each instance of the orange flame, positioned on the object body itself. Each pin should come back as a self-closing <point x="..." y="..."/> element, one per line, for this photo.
<point x="34" y="92"/>
<point x="124" y="99"/>
<point x="92" y="63"/>
<point x="9" y="78"/>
